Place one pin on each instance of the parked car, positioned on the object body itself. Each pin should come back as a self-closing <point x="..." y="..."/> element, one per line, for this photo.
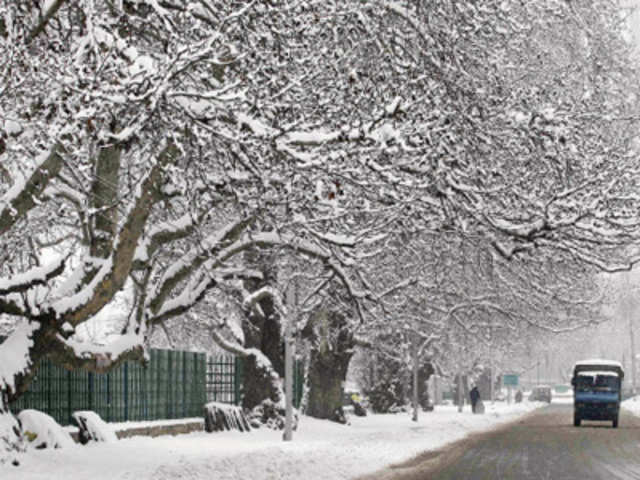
<point x="541" y="393"/>
<point x="354" y="401"/>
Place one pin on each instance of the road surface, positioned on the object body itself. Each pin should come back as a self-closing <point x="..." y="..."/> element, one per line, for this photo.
<point x="541" y="445"/>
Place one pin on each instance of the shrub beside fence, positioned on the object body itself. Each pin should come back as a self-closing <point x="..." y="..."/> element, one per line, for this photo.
<point x="171" y="386"/>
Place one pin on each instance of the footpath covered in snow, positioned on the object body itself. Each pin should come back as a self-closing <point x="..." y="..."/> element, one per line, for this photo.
<point x="320" y="450"/>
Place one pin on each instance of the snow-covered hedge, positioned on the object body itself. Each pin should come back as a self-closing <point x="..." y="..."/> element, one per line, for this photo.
<point x="92" y="427"/>
<point x="42" y="431"/>
<point x="271" y="415"/>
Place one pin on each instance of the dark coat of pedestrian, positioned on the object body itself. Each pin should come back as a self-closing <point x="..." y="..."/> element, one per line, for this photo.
<point x="474" y="394"/>
<point x="519" y="396"/>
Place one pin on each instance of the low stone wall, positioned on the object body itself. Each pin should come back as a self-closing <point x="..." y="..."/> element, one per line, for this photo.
<point x="154" y="430"/>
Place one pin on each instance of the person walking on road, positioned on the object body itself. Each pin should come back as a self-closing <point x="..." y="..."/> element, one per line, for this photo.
<point x="474" y="394"/>
<point x="519" y="396"/>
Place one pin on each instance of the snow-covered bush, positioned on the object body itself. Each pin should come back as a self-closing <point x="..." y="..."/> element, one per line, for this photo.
<point x="385" y="395"/>
<point x="398" y="408"/>
<point x="42" y="431"/>
<point x="271" y="415"/>
<point x="92" y="427"/>
<point x="10" y="438"/>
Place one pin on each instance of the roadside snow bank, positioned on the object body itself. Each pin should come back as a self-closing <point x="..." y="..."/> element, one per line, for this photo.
<point x="42" y="431"/>
<point x="632" y="404"/>
<point x="320" y="449"/>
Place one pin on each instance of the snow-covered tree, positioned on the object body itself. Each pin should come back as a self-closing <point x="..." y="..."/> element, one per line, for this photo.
<point x="129" y="166"/>
<point x="146" y="145"/>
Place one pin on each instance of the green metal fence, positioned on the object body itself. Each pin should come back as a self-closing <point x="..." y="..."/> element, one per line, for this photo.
<point x="225" y="377"/>
<point x="175" y="384"/>
<point x="171" y="386"/>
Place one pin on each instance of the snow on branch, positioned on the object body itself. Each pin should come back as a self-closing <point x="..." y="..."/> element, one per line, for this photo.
<point x="522" y="230"/>
<point x="47" y="15"/>
<point x="191" y="262"/>
<point x="314" y="138"/>
<point x="509" y="251"/>
<point x="251" y="301"/>
<point x="21" y="197"/>
<point x="192" y="294"/>
<point x="427" y="342"/>
<point x="114" y="272"/>
<point x="14" y="354"/>
<point x="398" y="286"/>
<point x="213" y="254"/>
<point x="410" y="18"/>
<point x="101" y="358"/>
<point x="36" y="276"/>
<point x="339" y="240"/>
<point x="298" y="245"/>
<point x="237" y="349"/>
<point x="162" y="234"/>
<point x="590" y="259"/>
<point x="480" y="302"/>
<point x="195" y="290"/>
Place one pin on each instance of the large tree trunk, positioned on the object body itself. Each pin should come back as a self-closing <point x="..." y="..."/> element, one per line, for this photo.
<point x="262" y="330"/>
<point x="425" y="370"/>
<point x="327" y="372"/>
<point x="259" y="384"/>
<point x="332" y="348"/>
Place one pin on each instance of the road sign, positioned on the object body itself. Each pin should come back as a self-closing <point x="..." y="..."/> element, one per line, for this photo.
<point x="510" y="380"/>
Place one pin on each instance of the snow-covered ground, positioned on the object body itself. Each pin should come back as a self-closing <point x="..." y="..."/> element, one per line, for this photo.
<point x="563" y="398"/>
<point x="632" y="404"/>
<point x="320" y="449"/>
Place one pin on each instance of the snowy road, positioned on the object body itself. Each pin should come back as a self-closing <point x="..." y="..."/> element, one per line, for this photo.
<point x="543" y="445"/>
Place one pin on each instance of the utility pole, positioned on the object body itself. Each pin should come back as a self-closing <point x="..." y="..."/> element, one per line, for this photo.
<point x="287" y="436"/>
<point x="460" y="392"/>
<point x="629" y="312"/>
<point x="491" y="372"/>
<point x="633" y="355"/>
<point x="492" y="381"/>
<point x="414" y="354"/>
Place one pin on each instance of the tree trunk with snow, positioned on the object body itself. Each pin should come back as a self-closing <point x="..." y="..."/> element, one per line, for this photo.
<point x="332" y="348"/>
<point x="263" y="331"/>
<point x="260" y="383"/>
<point x="419" y="388"/>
